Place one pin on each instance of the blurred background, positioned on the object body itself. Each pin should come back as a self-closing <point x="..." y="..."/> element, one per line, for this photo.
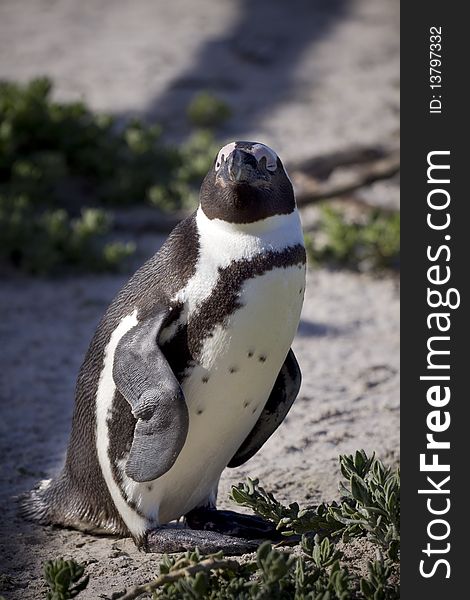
<point x="119" y="105"/>
<point x="111" y="112"/>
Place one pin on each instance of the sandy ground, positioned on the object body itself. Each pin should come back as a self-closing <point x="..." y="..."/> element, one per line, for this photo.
<point x="328" y="80"/>
<point x="347" y="346"/>
<point x="301" y="75"/>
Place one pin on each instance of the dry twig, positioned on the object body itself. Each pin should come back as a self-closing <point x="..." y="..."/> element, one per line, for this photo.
<point x="209" y="564"/>
<point x="311" y="189"/>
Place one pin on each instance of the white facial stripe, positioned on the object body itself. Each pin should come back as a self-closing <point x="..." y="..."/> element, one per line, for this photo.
<point x="224" y="154"/>
<point x="259" y="151"/>
<point x="234" y="242"/>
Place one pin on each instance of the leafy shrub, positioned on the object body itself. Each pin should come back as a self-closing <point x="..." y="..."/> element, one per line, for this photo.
<point x="44" y="143"/>
<point x="370" y="244"/>
<point x="370" y="505"/>
<point x="377" y="586"/>
<point x="56" y="159"/>
<point x="64" y="579"/>
<point x="206" y="110"/>
<point x="196" y="157"/>
<point x="39" y="242"/>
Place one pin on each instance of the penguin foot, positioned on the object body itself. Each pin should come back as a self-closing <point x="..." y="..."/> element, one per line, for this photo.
<point x="231" y="523"/>
<point x="173" y="539"/>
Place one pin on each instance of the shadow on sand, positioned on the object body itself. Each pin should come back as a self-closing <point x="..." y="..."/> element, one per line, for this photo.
<point x="252" y="65"/>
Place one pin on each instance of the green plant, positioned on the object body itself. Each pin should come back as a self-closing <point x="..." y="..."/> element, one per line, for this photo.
<point x="272" y="575"/>
<point x="289" y="520"/>
<point x="190" y="575"/>
<point x="46" y="146"/>
<point x="42" y="242"/>
<point x="206" y="110"/>
<point x="196" y="155"/>
<point x="370" y="505"/>
<point x="322" y="551"/>
<point x="377" y="585"/>
<point x="371" y="243"/>
<point x="60" y="162"/>
<point x="65" y="579"/>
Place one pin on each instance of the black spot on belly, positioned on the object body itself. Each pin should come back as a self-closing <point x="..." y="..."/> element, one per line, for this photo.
<point x="250" y="353"/>
<point x="199" y="411"/>
<point x="150" y="487"/>
<point x="254" y="410"/>
<point x="246" y="404"/>
<point x="233" y="369"/>
<point x="262" y="358"/>
<point x="205" y="379"/>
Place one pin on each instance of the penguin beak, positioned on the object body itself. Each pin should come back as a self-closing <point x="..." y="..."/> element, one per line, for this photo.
<point x="242" y="167"/>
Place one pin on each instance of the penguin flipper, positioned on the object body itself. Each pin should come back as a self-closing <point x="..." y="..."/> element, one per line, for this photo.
<point x="282" y="397"/>
<point x="145" y="379"/>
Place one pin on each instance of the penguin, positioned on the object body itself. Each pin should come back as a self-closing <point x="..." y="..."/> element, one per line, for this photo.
<point x="190" y="370"/>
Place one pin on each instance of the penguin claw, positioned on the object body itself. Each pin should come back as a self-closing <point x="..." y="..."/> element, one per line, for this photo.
<point x="171" y="539"/>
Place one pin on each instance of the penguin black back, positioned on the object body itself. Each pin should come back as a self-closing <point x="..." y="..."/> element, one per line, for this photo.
<point x="78" y="497"/>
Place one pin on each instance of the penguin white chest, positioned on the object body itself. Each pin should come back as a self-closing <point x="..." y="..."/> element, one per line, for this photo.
<point x="241" y="359"/>
<point x="228" y="388"/>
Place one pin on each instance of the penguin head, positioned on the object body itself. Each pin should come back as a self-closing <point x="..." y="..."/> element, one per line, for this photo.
<point x="247" y="183"/>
